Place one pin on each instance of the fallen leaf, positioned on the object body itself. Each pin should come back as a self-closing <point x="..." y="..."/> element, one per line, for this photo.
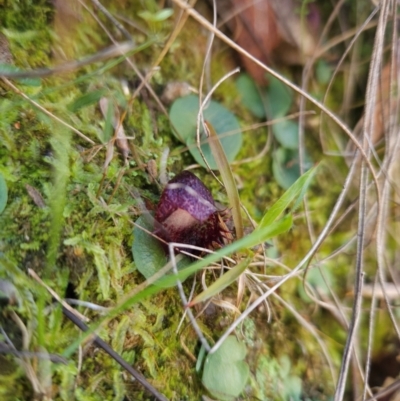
<point x="36" y="196"/>
<point x="272" y="31"/>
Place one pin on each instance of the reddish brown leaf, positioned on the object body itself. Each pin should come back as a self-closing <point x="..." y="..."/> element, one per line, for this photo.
<point x="272" y="31"/>
<point x="256" y="31"/>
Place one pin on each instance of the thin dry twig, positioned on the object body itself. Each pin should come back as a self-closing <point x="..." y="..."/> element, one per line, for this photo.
<point x="33" y="274"/>
<point x="371" y="97"/>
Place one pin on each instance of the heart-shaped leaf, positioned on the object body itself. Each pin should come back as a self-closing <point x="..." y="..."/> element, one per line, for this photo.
<point x="183" y="115"/>
<point x="285" y="166"/>
<point x="287" y="133"/>
<point x="225" y="372"/>
<point x="148" y="253"/>
<point x="251" y="96"/>
<point x="272" y="102"/>
<point x="278" y="98"/>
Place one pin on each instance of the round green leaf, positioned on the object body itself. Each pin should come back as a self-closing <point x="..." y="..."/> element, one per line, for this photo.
<point x="183" y="115"/>
<point x="148" y="253"/>
<point x="285" y="166"/>
<point x="3" y="194"/>
<point x="250" y="95"/>
<point x="287" y="134"/>
<point x="225" y="372"/>
<point x="278" y="98"/>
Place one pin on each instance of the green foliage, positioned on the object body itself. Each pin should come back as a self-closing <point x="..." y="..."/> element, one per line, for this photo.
<point x="274" y="102"/>
<point x="60" y="142"/>
<point x="285" y="166"/>
<point x="294" y="193"/>
<point x="158" y="16"/>
<point x="225" y="372"/>
<point x="148" y="253"/>
<point x="86" y="100"/>
<point x="251" y="96"/>
<point x="153" y="16"/>
<point x="84" y="230"/>
<point x="183" y="115"/>
<point x="286" y="133"/>
<point x="227" y="179"/>
<point x="275" y="380"/>
<point x="278" y="98"/>
<point x="3" y="193"/>
<point x="222" y="282"/>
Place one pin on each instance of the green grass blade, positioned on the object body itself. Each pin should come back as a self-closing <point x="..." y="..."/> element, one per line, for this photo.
<point x="297" y="190"/>
<point x="227" y="178"/>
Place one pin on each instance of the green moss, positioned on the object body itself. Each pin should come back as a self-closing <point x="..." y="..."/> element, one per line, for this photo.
<point x="83" y="234"/>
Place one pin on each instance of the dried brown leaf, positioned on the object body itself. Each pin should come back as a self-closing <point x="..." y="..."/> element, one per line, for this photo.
<point x="272" y="31"/>
<point x="36" y="196"/>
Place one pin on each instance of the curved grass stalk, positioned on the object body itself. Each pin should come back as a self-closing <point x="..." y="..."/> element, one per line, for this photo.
<point x="227" y="178"/>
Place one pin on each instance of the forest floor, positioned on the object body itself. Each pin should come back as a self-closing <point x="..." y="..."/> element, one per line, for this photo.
<point x="98" y="111"/>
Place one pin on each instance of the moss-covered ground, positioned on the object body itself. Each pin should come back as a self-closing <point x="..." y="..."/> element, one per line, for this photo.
<point x="70" y="218"/>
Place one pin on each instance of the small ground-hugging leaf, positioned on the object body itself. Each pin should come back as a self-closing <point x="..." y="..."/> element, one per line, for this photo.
<point x="278" y="98"/>
<point x="285" y="166"/>
<point x="273" y="101"/>
<point x="225" y="372"/>
<point x="3" y="193"/>
<point x="148" y="253"/>
<point x="287" y="133"/>
<point x="295" y="192"/>
<point x="250" y="94"/>
<point x="183" y="115"/>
